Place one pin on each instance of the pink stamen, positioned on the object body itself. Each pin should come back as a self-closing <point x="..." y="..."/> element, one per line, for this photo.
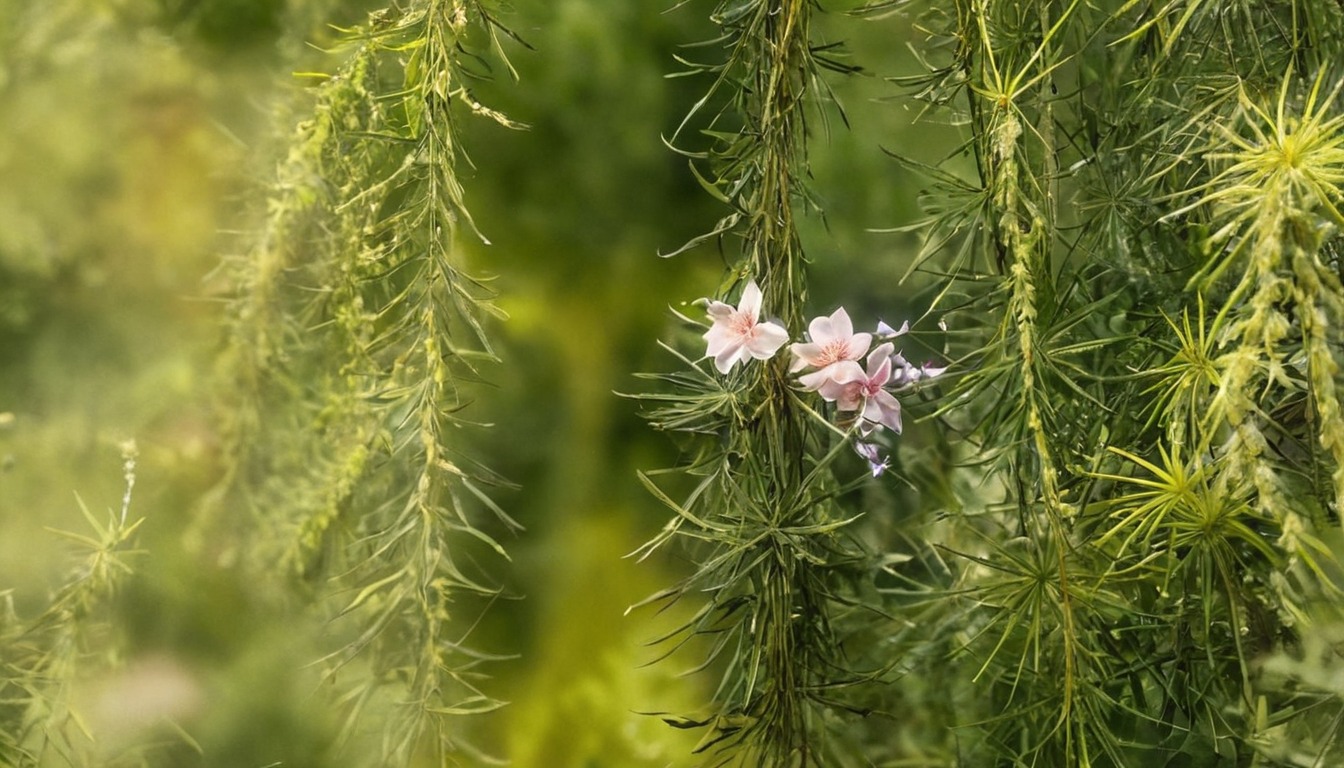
<point x="833" y="352"/>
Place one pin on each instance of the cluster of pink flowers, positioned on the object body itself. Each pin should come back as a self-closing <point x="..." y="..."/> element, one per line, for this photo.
<point x="828" y="364"/>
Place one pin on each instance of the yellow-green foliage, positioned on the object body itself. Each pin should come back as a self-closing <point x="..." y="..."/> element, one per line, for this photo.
<point x="1108" y="533"/>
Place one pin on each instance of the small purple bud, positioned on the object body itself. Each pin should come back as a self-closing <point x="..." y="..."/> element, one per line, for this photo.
<point x="877" y="463"/>
<point x="886" y="331"/>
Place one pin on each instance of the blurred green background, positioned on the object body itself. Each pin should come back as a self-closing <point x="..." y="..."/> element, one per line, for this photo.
<point x="135" y="136"/>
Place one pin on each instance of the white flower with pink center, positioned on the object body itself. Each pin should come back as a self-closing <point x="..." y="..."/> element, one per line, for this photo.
<point x="852" y="388"/>
<point x="738" y="335"/>
<point x="831" y="342"/>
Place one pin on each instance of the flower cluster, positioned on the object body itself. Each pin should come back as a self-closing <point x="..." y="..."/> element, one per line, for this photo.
<point x="828" y="363"/>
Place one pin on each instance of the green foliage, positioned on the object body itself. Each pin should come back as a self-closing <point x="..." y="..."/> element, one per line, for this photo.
<point x="1138" y="309"/>
<point x="1109" y="534"/>
<point x="44" y="658"/>
<point x="774" y="556"/>
<point x="1142" y="278"/>
<point x="357" y="339"/>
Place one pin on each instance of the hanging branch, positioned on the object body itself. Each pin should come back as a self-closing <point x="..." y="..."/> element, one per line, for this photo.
<point x="1146" y="267"/>
<point x="773" y="548"/>
<point x="357" y="336"/>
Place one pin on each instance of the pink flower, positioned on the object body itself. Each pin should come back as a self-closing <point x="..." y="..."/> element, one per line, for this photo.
<point x="852" y="388"/>
<point x="738" y="335"/>
<point x="832" y="341"/>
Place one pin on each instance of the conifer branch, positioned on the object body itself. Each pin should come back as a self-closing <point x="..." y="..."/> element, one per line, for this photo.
<point x="773" y="546"/>
<point x="1092" y="200"/>
<point x="358" y="466"/>
<point x="43" y="658"/>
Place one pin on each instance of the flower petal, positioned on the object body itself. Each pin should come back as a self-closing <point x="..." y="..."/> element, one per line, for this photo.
<point x="856" y="345"/>
<point x="884" y="409"/>
<point x="846" y="396"/>
<point x="882" y="352"/>
<point x="849" y="397"/>
<point x="885" y="330"/>
<point x="750" y="304"/>
<point x="839" y="373"/>
<point x="930" y="370"/>
<point x="870" y="452"/>
<point x="839" y="382"/>
<point x="716" y="338"/>
<point x="804" y="354"/>
<point x="719" y="312"/>
<point x="813" y="381"/>
<point x="844" y="371"/>
<point x="767" y="340"/>
<point x="880" y="374"/>
<point x="840" y="324"/>
<point x="819" y="331"/>
<point x="728" y="356"/>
